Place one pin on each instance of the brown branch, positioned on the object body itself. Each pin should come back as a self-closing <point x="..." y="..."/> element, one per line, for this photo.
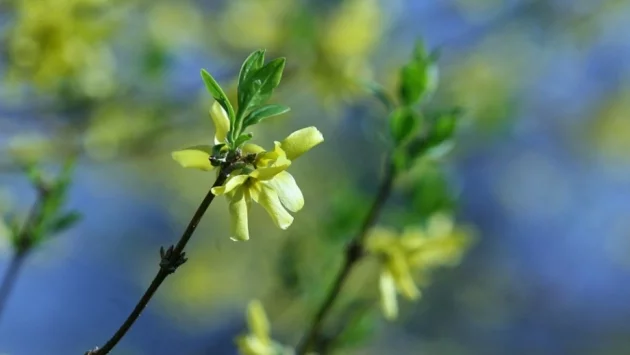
<point x="172" y="258"/>
<point x="354" y="252"/>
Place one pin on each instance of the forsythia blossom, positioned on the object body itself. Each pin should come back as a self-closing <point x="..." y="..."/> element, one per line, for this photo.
<point x="419" y="250"/>
<point x="56" y="39"/>
<point x="258" y="341"/>
<point x="265" y="180"/>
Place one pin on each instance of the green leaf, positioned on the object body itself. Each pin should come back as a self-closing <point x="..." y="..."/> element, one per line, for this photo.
<point x="413" y="78"/>
<point x="65" y="222"/>
<point x="261" y="84"/>
<point x="403" y="124"/>
<point x="420" y="52"/>
<point x="264" y="112"/>
<point x="381" y="94"/>
<point x="242" y="139"/>
<point x="217" y="93"/>
<point x="250" y="66"/>
<point x="419" y="77"/>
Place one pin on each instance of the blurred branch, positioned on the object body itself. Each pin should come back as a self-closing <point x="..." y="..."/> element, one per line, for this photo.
<point x="21" y="250"/>
<point x="44" y="220"/>
<point x="171" y="259"/>
<point x="354" y="252"/>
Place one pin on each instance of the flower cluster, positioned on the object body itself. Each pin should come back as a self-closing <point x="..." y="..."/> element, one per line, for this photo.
<point x="264" y="180"/>
<point x="416" y="250"/>
<point x="253" y="174"/>
<point x="53" y="40"/>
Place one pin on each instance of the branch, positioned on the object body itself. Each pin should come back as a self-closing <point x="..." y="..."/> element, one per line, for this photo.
<point x="171" y="259"/>
<point x="354" y="252"/>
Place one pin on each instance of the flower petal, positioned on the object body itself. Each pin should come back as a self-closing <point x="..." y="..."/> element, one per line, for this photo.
<point x="232" y="183"/>
<point x="221" y="122"/>
<point x="399" y="269"/>
<point x="270" y="172"/>
<point x="238" y="206"/>
<point x="250" y="148"/>
<point x="251" y="345"/>
<point x="381" y="239"/>
<point x="301" y="141"/>
<point x="288" y="191"/>
<point x="257" y="320"/>
<point x="268" y="198"/>
<point x="197" y="157"/>
<point x="387" y="288"/>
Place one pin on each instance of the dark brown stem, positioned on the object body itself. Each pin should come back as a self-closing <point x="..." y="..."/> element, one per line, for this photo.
<point x="172" y="258"/>
<point x="10" y="276"/>
<point x="354" y="252"/>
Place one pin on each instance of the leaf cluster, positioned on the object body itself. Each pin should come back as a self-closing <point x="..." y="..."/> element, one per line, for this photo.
<point x="256" y="83"/>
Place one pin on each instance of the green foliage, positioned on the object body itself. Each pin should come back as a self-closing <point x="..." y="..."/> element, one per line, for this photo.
<point x="250" y="66"/>
<point x="264" y="112"/>
<point x="47" y="217"/>
<point x="403" y="124"/>
<point x="256" y="83"/>
<point x="260" y="85"/>
<point x="217" y="93"/>
<point x="418" y="77"/>
<point x="242" y="139"/>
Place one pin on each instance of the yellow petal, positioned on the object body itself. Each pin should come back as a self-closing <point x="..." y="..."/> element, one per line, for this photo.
<point x="288" y="191"/>
<point x="197" y="157"/>
<point x="300" y="142"/>
<point x="238" y="206"/>
<point x="387" y="288"/>
<point x="251" y="345"/>
<point x="380" y="239"/>
<point x="250" y="148"/>
<point x="232" y="183"/>
<point x="270" y="172"/>
<point x="276" y="156"/>
<point x="399" y="269"/>
<point x="268" y="198"/>
<point x="221" y="122"/>
<point x="412" y="239"/>
<point x="439" y="225"/>
<point x="257" y="320"/>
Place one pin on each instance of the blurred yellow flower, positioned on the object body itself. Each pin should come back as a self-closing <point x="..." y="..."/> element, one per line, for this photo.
<point x="246" y="24"/>
<point x="269" y="184"/>
<point x="416" y="250"/>
<point x="258" y="341"/>
<point x="54" y="40"/>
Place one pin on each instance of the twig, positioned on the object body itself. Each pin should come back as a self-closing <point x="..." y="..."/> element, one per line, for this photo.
<point x="171" y="259"/>
<point x="21" y="249"/>
<point x="10" y="276"/>
<point x="354" y="252"/>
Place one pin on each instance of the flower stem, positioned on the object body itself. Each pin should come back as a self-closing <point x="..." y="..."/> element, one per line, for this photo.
<point x="354" y="252"/>
<point x="10" y="276"/>
<point x="21" y="249"/>
<point x="171" y="259"/>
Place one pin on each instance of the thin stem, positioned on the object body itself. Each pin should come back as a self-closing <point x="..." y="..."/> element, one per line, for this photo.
<point x="353" y="254"/>
<point x="21" y="250"/>
<point x="10" y="276"/>
<point x="171" y="259"/>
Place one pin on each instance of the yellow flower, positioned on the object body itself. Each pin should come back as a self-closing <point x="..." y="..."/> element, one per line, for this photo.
<point x="266" y="183"/>
<point x="198" y="157"/>
<point x="258" y="341"/>
<point x="269" y="184"/>
<point x="417" y="249"/>
<point x="54" y="40"/>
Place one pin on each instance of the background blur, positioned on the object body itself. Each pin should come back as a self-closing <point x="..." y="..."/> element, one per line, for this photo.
<point x="542" y="169"/>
